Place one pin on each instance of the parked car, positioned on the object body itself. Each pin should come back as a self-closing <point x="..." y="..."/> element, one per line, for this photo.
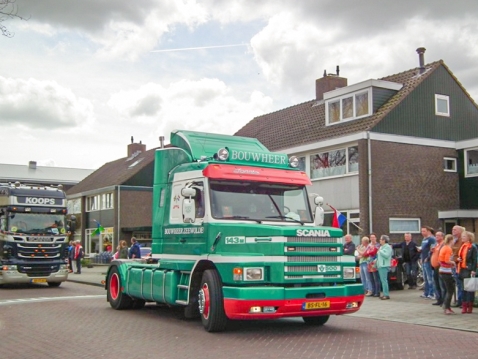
<point x="145" y="252"/>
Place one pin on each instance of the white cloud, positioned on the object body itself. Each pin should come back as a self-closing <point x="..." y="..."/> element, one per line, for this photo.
<point x="204" y="105"/>
<point x="41" y="104"/>
<point x="292" y="52"/>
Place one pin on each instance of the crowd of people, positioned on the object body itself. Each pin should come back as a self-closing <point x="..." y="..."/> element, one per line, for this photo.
<point x="76" y="253"/>
<point x="447" y="261"/>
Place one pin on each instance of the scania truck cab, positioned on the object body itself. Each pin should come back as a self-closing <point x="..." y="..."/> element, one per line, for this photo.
<point x="33" y="235"/>
<point x="235" y="238"/>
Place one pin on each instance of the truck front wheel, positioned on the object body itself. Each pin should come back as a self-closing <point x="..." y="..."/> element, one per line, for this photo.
<point x="211" y="302"/>
<point x="316" y="320"/>
<point x="117" y="299"/>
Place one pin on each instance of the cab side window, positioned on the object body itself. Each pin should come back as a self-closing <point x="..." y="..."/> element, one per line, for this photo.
<point x="199" y="203"/>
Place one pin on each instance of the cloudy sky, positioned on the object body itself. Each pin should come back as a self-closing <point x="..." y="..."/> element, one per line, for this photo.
<point x="79" y="78"/>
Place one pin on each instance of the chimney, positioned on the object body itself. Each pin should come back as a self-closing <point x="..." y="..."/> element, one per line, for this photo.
<point x="161" y="141"/>
<point x="421" y="59"/>
<point x="328" y="83"/>
<point x="32" y="165"/>
<point x="135" y="147"/>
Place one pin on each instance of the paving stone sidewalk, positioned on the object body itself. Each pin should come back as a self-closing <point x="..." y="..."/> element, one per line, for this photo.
<point x="405" y="306"/>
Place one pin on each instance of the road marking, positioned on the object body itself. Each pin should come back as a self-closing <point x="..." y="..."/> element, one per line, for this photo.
<point x="47" y="299"/>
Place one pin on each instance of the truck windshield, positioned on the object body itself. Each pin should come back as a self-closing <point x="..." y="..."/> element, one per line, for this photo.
<point x="259" y="201"/>
<point x="36" y="223"/>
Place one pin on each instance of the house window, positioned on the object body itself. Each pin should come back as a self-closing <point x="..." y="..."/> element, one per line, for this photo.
<point x="471" y="162"/>
<point x="353" y="159"/>
<point x="107" y="201"/>
<point x="350" y="226"/>
<point x="302" y="164"/>
<point x="361" y="104"/>
<point x="93" y="203"/>
<point x="334" y="111"/>
<point x="348" y="107"/>
<point x="404" y="225"/>
<point x="103" y="201"/>
<point x="334" y="163"/>
<point x="442" y="105"/>
<point x="449" y="164"/>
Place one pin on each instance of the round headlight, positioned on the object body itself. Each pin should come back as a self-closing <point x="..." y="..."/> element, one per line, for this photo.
<point x="223" y="154"/>
<point x="293" y="161"/>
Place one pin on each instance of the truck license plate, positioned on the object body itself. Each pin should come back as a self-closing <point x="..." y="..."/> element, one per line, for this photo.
<point x="39" y="280"/>
<point x="316" y="305"/>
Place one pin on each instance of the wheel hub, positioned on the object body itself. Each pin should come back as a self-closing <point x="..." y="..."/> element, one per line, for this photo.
<point x="203" y="300"/>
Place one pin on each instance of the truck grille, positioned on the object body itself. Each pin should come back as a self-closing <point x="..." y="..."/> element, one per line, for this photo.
<point x="322" y="276"/>
<point x="312" y="240"/>
<point x="39" y="250"/>
<point x="38" y="270"/>
<point x="303" y="259"/>
<point x="322" y="263"/>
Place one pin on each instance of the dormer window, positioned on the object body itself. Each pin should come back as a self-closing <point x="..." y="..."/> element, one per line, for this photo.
<point x="357" y="101"/>
<point x="349" y="107"/>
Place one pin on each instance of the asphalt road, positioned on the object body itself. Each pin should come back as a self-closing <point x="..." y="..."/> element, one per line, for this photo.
<point x="75" y="321"/>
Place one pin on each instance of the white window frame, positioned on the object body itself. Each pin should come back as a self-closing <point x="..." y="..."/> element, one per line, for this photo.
<point x="449" y="159"/>
<point x="107" y="200"/>
<point x="351" y="94"/>
<point x="405" y="219"/>
<point x="445" y="98"/>
<point x="466" y="162"/>
<point x="97" y="201"/>
<point x="308" y="162"/>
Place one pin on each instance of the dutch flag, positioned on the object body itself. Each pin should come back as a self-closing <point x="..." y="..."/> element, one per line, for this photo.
<point x="338" y="218"/>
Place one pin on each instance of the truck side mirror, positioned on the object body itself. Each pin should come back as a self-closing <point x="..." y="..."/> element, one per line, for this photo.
<point x="319" y="211"/>
<point x="189" y="205"/>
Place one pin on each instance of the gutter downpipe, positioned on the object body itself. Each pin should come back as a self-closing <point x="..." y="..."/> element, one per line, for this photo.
<point x="119" y="214"/>
<point x="369" y="165"/>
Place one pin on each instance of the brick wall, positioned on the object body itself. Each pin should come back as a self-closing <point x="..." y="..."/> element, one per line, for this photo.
<point x="408" y="181"/>
<point x="136" y="208"/>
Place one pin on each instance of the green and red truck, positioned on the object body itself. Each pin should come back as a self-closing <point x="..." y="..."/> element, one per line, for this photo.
<point x="235" y="238"/>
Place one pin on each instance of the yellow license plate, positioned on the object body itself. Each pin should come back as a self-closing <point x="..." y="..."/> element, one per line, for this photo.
<point x="316" y="305"/>
<point x="39" y="280"/>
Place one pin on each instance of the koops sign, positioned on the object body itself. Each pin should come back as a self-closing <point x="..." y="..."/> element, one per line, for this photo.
<point x="39" y="200"/>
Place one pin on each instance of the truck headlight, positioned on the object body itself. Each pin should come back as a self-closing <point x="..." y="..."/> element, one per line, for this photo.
<point x="349" y="272"/>
<point x="254" y="273"/>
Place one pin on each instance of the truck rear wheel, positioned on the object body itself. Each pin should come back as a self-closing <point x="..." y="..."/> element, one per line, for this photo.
<point x="117" y="299"/>
<point x="211" y="302"/>
<point x="316" y="320"/>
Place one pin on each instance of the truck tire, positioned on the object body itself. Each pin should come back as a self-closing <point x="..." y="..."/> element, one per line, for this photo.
<point x="117" y="299"/>
<point x="54" y="284"/>
<point x="316" y="320"/>
<point x="211" y="302"/>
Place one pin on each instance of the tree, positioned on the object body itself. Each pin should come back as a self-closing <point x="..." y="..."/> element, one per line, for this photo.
<point x="8" y="10"/>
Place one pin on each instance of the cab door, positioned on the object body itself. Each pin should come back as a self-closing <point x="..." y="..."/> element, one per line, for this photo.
<point x="183" y="235"/>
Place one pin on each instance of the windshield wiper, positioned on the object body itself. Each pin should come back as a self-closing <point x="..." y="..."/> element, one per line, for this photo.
<point x="241" y="217"/>
<point x="285" y="217"/>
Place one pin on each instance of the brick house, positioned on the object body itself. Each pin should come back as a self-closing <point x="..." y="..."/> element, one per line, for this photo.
<point x="118" y="196"/>
<point x="391" y="154"/>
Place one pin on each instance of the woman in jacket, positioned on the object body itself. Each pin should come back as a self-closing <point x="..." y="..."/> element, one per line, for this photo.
<point x="445" y="259"/>
<point x="372" y="256"/>
<point x="123" y="251"/>
<point x="363" y="261"/>
<point x="467" y="268"/>
<point x="384" y="258"/>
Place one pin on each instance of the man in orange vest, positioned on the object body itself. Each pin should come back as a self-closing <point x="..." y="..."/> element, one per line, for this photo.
<point x="440" y="290"/>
